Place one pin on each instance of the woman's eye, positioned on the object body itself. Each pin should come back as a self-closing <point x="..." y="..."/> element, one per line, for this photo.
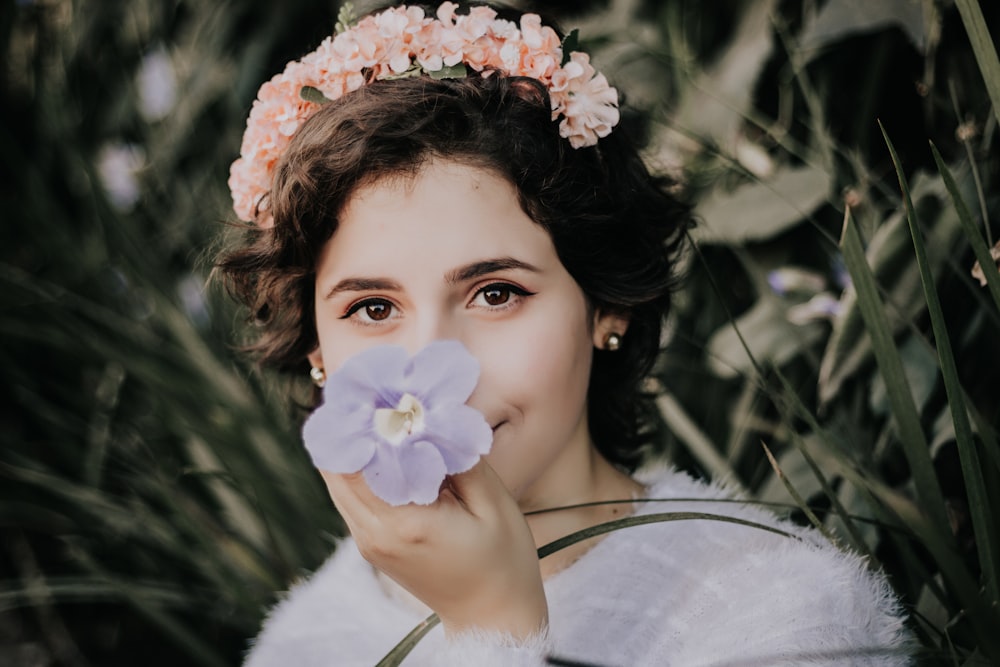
<point x="378" y="311"/>
<point x="370" y="310"/>
<point x="498" y="295"/>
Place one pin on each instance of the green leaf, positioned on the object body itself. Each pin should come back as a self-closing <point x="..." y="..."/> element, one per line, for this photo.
<point x="459" y="71"/>
<point x="345" y="18"/>
<point x="979" y="247"/>
<point x="819" y="443"/>
<point x="311" y="94"/>
<point x="716" y="100"/>
<point x="698" y="444"/>
<point x="760" y="210"/>
<point x="840" y="19"/>
<point x="799" y="500"/>
<point x="905" y="412"/>
<point x="570" y="43"/>
<point x="983" y="617"/>
<point x="983" y="523"/>
<point x="920" y="365"/>
<point x="982" y="46"/>
<point x="890" y="256"/>
<point x="765" y="336"/>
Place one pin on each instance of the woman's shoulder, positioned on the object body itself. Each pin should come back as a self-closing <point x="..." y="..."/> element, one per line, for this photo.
<point x="340" y="610"/>
<point x="716" y="533"/>
<point x="719" y="572"/>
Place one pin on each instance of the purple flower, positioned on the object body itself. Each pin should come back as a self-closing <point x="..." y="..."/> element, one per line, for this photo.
<point x="403" y="422"/>
<point x="789" y="279"/>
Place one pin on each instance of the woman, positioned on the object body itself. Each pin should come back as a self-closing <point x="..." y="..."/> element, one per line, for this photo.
<point x="432" y="175"/>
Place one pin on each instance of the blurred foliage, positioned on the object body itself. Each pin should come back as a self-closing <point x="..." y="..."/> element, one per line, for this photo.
<point x="152" y="491"/>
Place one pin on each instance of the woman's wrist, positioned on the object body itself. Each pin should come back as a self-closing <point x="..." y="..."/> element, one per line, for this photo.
<point x="520" y="622"/>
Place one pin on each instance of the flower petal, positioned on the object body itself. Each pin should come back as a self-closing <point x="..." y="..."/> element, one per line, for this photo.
<point x="339" y="441"/>
<point x="408" y="473"/>
<point x="443" y="372"/>
<point x="461" y="434"/>
<point x="376" y="374"/>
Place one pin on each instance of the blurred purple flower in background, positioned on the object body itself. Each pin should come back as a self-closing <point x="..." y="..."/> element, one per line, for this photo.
<point x="157" y="85"/>
<point x="403" y="422"/>
<point x="118" y="165"/>
<point x="789" y="279"/>
<point x="824" y="306"/>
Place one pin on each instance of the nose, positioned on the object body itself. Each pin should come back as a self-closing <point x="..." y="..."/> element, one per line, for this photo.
<point x="429" y="326"/>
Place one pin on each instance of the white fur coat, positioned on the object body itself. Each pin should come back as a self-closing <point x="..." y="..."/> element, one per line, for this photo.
<point x="684" y="593"/>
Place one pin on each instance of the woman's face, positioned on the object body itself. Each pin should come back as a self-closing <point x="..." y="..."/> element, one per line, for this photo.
<point x="449" y="254"/>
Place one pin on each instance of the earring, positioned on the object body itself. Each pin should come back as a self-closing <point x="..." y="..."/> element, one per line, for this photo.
<point x="613" y="342"/>
<point x="318" y="376"/>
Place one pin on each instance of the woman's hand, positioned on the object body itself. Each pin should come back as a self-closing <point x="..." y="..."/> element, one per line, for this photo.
<point x="469" y="556"/>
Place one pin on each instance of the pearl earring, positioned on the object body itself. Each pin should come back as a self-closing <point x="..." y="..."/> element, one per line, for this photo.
<point x="318" y="376"/>
<point x="612" y="342"/>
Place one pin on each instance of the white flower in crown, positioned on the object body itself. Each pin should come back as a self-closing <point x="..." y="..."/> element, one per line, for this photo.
<point x="402" y="42"/>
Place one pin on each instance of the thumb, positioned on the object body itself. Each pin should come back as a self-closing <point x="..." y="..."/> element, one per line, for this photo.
<point x="480" y="487"/>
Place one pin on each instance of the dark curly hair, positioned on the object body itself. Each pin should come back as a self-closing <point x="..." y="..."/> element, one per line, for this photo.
<point x="616" y="229"/>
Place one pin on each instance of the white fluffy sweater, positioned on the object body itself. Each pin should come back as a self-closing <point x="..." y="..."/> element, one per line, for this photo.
<point x="684" y="593"/>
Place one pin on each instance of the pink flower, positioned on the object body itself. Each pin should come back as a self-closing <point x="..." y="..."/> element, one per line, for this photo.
<point x="275" y="115"/>
<point x="476" y="23"/>
<point x="395" y="30"/>
<point x="426" y="46"/>
<point x="538" y="37"/>
<point x="388" y="43"/>
<point x="977" y="269"/>
<point x="446" y="13"/>
<point x="356" y="49"/>
<point x="588" y="105"/>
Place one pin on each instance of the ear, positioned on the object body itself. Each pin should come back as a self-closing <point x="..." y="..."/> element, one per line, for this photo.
<point x="315" y="358"/>
<point x="608" y="322"/>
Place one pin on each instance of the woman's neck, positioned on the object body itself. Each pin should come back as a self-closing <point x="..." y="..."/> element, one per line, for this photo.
<point x="588" y="479"/>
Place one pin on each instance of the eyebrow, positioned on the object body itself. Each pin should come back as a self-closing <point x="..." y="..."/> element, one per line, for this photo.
<point x="486" y="267"/>
<point x="461" y="274"/>
<point x="363" y="285"/>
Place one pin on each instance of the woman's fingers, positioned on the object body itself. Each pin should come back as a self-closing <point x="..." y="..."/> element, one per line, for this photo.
<point x="351" y="495"/>
<point x="479" y="488"/>
<point x="350" y="492"/>
<point x="471" y="503"/>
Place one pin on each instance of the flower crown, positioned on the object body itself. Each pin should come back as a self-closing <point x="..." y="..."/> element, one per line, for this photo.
<point x="402" y="42"/>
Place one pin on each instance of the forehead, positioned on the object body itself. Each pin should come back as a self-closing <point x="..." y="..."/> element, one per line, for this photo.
<point x="446" y="213"/>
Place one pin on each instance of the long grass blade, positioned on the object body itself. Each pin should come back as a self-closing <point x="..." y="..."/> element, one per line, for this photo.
<point x="982" y="46"/>
<point x="800" y="502"/>
<point x="983" y="522"/>
<point x="983" y="617"/>
<point x="643" y="519"/>
<point x="177" y="630"/>
<point x="66" y="589"/>
<point x="798" y="408"/>
<point x="979" y="246"/>
<point x="960" y="583"/>
<point x="891" y="366"/>
<point x="699" y="444"/>
<point x="399" y="652"/>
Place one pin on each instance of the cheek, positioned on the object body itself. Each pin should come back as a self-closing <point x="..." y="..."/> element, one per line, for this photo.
<point x="540" y="362"/>
<point x="336" y="348"/>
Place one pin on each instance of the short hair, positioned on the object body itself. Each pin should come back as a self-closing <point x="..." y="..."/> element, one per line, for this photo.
<point x="616" y="229"/>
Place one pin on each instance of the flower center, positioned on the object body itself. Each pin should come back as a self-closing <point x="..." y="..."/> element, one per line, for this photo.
<point x="394" y="424"/>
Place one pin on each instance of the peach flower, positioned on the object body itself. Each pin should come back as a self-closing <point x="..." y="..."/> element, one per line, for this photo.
<point x="387" y="44"/>
<point x="588" y="105"/>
